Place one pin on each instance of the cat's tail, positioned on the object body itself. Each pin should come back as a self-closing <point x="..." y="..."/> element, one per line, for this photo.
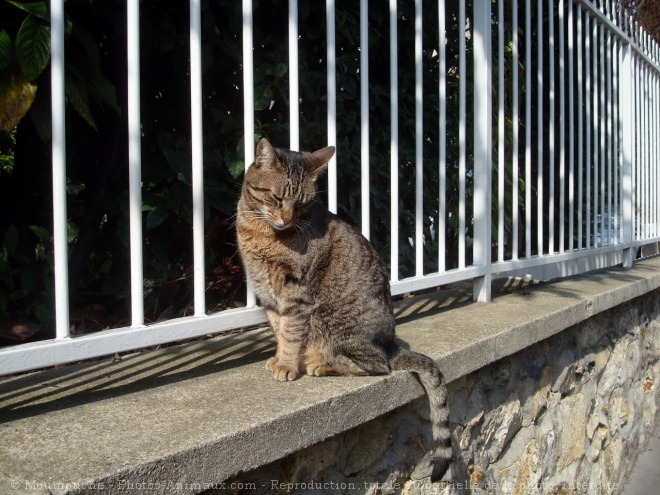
<point x="434" y="384"/>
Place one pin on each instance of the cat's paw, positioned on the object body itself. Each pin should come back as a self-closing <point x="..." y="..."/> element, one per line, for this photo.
<point x="284" y="373"/>
<point x="270" y="364"/>
<point x="321" y="369"/>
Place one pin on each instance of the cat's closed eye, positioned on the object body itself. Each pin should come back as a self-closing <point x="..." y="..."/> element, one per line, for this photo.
<point x="304" y="206"/>
<point x="273" y="200"/>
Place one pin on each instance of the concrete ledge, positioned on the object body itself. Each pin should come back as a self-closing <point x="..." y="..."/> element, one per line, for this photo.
<point x="179" y="419"/>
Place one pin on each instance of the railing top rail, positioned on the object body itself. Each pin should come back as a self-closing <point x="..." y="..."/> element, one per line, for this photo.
<point x="601" y="17"/>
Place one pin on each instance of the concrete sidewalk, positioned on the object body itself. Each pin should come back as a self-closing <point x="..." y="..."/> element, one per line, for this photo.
<point x="644" y="479"/>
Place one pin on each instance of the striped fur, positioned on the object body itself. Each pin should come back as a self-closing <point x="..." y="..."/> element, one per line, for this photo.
<point x="324" y="286"/>
<point x="434" y="384"/>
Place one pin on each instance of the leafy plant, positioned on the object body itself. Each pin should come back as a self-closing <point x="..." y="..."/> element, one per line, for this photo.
<point x="25" y="54"/>
<point x="7" y="146"/>
<point x="97" y="147"/>
<point x="26" y="281"/>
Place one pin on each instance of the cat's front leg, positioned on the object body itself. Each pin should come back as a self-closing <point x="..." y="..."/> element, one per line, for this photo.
<point x="290" y="335"/>
<point x="274" y="319"/>
<point x="281" y="365"/>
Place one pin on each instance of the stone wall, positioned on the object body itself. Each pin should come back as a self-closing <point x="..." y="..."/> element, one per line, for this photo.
<point x="566" y="415"/>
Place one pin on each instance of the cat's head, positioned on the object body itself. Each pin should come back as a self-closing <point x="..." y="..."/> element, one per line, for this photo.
<point x="280" y="186"/>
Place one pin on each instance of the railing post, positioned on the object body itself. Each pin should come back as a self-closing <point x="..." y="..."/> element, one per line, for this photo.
<point x="248" y="106"/>
<point x="135" y="162"/>
<point x="394" y="145"/>
<point x="59" y="171"/>
<point x="364" y="117"/>
<point x="332" y="102"/>
<point x="197" y="148"/>
<point x="294" y="94"/>
<point x="626" y="102"/>
<point x="482" y="147"/>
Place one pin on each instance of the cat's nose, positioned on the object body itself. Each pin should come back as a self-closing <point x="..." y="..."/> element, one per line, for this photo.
<point x="288" y="220"/>
<point x="287" y="217"/>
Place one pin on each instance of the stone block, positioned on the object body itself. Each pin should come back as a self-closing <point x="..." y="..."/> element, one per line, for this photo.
<point x="524" y="474"/>
<point x="500" y="429"/>
<point x="368" y="449"/>
<point x="572" y="436"/>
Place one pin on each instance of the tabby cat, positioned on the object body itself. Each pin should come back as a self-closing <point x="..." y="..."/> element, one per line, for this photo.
<point x="323" y="285"/>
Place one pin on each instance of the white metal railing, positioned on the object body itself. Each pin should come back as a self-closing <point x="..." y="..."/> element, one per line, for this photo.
<point x="59" y="172"/>
<point x="598" y="133"/>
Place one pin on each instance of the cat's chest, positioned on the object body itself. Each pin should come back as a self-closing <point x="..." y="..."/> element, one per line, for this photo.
<point x="273" y="270"/>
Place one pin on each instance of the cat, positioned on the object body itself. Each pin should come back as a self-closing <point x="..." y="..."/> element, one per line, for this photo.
<point x="323" y="285"/>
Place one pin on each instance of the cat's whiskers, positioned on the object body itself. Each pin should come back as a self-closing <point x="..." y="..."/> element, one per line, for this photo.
<point x="250" y="215"/>
<point x="305" y="228"/>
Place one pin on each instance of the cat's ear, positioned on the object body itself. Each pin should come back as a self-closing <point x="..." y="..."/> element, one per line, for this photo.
<point x="318" y="161"/>
<point x="266" y="156"/>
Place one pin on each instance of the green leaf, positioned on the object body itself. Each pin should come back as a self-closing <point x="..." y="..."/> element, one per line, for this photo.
<point x="4" y="260"/>
<point x="11" y="239"/>
<point x="71" y="231"/>
<point x="74" y="188"/>
<point x="6" y="50"/>
<point x="236" y="168"/>
<point x="278" y="70"/>
<point x="186" y="212"/>
<point x="33" y="46"/>
<point x="184" y="178"/>
<point x="16" y="99"/>
<point x="156" y="217"/>
<point x="105" y="267"/>
<point x="40" y="252"/>
<point x="41" y="232"/>
<point x="105" y="91"/>
<point x="177" y="160"/>
<point x="87" y="42"/>
<point x="40" y="115"/>
<point x="28" y="280"/>
<point x="38" y="9"/>
<point x="89" y="64"/>
<point x="235" y="162"/>
<point x="77" y="91"/>
<point x="18" y="294"/>
<point x="44" y="314"/>
<point x="263" y="101"/>
<point x="228" y="124"/>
